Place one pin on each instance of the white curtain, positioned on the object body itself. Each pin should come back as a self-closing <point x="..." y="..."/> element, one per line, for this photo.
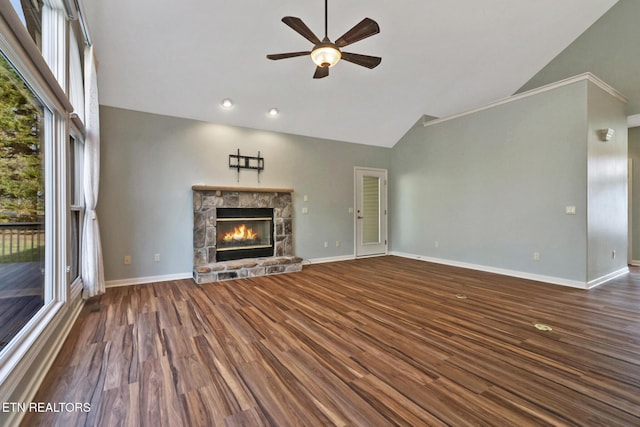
<point x="92" y="265"/>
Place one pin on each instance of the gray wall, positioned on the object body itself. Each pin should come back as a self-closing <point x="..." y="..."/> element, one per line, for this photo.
<point x="491" y="187"/>
<point x="634" y="155"/>
<point x="488" y="188"/>
<point x="608" y="49"/>
<point x="149" y="163"/>
<point x="607" y="185"/>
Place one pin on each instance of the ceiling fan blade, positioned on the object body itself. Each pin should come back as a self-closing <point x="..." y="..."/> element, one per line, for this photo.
<point x="321" y="72"/>
<point x="276" y="56"/>
<point x="365" y="28"/>
<point x="301" y="28"/>
<point x="364" y="60"/>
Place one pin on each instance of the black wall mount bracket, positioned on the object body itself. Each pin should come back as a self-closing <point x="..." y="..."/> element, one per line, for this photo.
<point x="237" y="161"/>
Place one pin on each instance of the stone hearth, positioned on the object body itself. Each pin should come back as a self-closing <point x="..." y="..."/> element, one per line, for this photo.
<point x="206" y="201"/>
<point x="249" y="267"/>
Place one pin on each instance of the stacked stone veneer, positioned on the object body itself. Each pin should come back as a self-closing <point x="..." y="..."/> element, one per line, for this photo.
<point x="206" y="201"/>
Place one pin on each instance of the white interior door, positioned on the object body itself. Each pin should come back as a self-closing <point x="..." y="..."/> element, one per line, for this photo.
<point x="371" y="212"/>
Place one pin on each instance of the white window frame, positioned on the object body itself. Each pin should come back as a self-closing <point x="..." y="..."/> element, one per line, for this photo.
<point x="19" y="354"/>
<point x="53" y="295"/>
<point x="76" y="204"/>
<point x="75" y="92"/>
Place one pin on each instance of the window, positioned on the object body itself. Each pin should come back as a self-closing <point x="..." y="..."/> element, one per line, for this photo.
<point x="41" y="154"/>
<point x="76" y="74"/>
<point x="75" y="164"/>
<point x="22" y="202"/>
<point x="30" y="13"/>
<point x="76" y="198"/>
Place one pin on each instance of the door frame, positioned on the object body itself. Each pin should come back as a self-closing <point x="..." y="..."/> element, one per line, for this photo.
<point x="630" y="260"/>
<point x="384" y="224"/>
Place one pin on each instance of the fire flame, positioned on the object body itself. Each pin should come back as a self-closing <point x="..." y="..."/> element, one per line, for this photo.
<point x="240" y="233"/>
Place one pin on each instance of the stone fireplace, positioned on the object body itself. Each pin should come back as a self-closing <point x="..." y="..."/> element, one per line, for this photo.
<point x="242" y="232"/>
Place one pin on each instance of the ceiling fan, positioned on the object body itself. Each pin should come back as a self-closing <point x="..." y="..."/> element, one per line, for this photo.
<point x="326" y="54"/>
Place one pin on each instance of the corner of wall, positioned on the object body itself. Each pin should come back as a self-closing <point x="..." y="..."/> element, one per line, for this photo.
<point x="607" y="183"/>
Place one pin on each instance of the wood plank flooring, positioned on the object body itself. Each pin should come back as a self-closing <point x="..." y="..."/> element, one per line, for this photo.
<point x="369" y="342"/>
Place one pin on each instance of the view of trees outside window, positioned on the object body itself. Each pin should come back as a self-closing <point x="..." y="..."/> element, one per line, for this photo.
<point x="30" y="13"/>
<point x="22" y="234"/>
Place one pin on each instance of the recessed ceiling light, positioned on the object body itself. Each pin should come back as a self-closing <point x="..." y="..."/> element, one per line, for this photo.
<point x="227" y="103"/>
<point x="273" y="112"/>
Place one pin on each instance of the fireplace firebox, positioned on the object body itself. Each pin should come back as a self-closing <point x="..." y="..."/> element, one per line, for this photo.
<point x="244" y="233"/>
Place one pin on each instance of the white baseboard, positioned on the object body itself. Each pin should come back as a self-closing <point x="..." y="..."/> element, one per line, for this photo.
<point x="147" y="279"/>
<point x="329" y="259"/>
<point x="505" y="272"/>
<point x="599" y="281"/>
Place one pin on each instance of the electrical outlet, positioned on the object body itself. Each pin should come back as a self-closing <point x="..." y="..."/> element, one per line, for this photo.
<point x="127" y="260"/>
<point x="326" y="244"/>
<point x="305" y="211"/>
<point x="536" y="256"/>
<point x="156" y="257"/>
<point x="436" y="244"/>
<point x="337" y="243"/>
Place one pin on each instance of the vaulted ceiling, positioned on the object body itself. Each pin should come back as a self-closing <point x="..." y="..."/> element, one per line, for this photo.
<point x="182" y="58"/>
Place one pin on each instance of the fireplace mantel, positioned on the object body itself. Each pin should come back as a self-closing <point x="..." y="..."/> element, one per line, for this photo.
<point x="241" y="189"/>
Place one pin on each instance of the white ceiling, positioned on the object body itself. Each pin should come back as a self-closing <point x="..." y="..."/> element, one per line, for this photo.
<point x="181" y="58"/>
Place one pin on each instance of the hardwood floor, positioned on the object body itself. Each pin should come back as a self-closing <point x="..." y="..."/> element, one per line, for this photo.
<point x="370" y="342"/>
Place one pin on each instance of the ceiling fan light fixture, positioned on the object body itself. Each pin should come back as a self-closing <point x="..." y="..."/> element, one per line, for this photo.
<point x="326" y="55"/>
